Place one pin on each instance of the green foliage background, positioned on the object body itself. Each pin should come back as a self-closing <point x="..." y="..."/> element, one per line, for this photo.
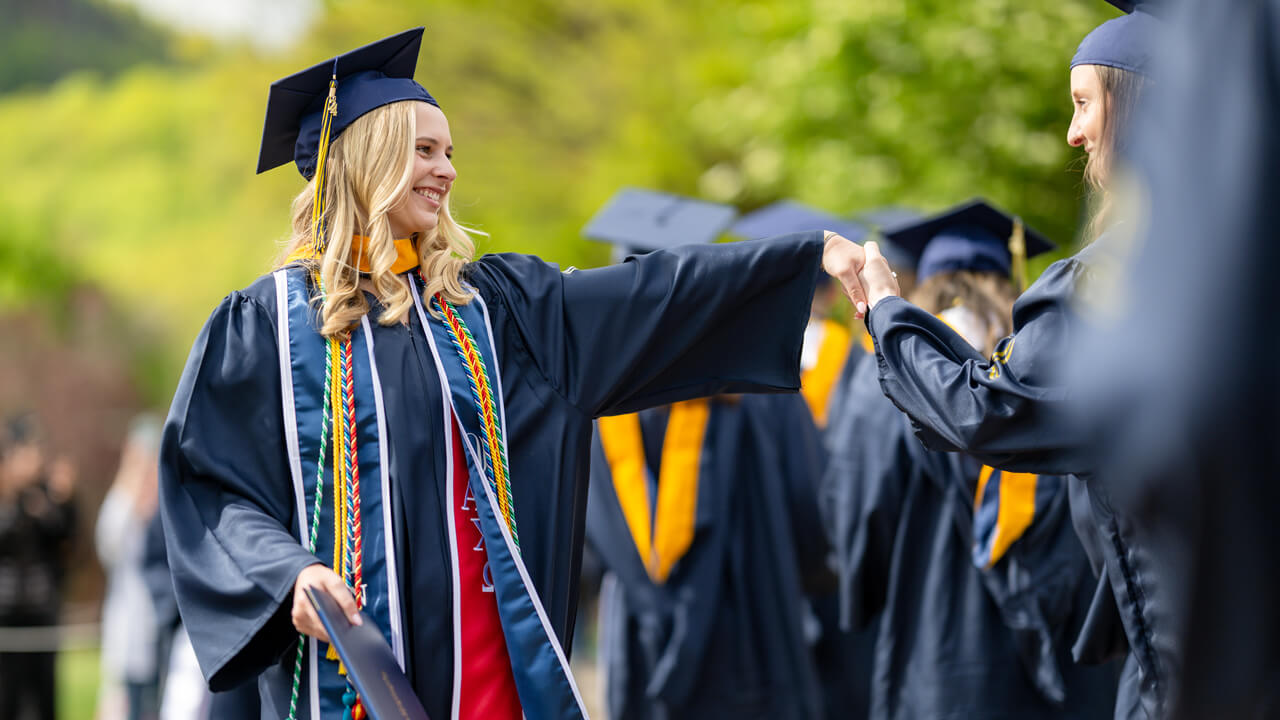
<point x="134" y="171"/>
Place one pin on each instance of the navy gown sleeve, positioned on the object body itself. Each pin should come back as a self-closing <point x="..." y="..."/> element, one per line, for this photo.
<point x="227" y="497"/>
<point x="873" y="460"/>
<point x="667" y="326"/>
<point x="1009" y="411"/>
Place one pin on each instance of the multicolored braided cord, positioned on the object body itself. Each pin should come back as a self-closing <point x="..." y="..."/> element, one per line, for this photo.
<point x="325" y="414"/>
<point x="482" y="393"/>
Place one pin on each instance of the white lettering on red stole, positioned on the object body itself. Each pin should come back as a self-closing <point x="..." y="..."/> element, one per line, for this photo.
<point x="473" y="514"/>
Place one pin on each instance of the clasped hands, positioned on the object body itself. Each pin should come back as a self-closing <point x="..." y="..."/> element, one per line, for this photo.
<point x="861" y="269"/>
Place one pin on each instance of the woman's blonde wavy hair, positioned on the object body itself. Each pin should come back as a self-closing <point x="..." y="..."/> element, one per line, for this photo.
<point x="369" y="170"/>
<point x="1121" y="92"/>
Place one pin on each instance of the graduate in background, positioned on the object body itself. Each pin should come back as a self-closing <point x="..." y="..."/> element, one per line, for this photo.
<point x="830" y="353"/>
<point x="976" y="575"/>
<point x="1013" y="410"/>
<point x="392" y="421"/>
<point x="704" y="514"/>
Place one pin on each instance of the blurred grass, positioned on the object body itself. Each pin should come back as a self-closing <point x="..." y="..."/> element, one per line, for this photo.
<point x="77" y="683"/>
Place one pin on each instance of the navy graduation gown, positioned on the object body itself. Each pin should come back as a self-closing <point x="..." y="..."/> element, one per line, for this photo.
<point x="572" y="346"/>
<point x="954" y="640"/>
<point x="1015" y="412"/>
<point x="844" y="654"/>
<point x="723" y="637"/>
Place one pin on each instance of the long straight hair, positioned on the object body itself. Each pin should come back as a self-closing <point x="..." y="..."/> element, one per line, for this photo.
<point x="1121" y="92"/>
<point x="369" y="172"/>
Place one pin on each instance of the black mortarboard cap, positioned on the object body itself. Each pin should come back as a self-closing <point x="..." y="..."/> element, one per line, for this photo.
<point x="646" y="220"/>
<point x="1127" y="42"/>
<point x="973" y="236"/>
<point x="369" y="77"/>
<point x="782" y="218"/>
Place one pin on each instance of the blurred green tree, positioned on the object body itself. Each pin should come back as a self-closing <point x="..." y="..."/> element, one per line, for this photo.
<point x="146" y="178"/>
<point x="42" y="41"/>
<point x="925" y="103"/>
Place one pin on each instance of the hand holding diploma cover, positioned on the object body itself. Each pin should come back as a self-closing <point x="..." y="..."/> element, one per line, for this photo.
<point x="370" y="664"/>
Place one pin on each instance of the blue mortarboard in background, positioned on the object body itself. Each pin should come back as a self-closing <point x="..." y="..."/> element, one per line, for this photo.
<point x="892" y="216"/>
<point x="1127" y="42"/>
<point x="645" y="220"/>
<point x="782" y="218"/>
<point x="369" y="77"/>
<point x="973" y="236"/>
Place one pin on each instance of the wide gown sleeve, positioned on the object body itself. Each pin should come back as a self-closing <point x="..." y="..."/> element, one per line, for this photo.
<point x="666" y="326"/>
<point x="1009" y="411"/>
<point x="227" y="497"/>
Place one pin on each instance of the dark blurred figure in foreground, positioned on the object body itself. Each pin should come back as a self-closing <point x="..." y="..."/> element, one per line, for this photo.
<point x="36" y="520"/>
<point x="1183" y="388"/>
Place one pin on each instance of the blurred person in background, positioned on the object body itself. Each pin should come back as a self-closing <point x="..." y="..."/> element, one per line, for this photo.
<point x="1013" y="410"/>
<point x="37" y="520"/>
<point x="976" y="575"/>
<point x="130" y="636"/>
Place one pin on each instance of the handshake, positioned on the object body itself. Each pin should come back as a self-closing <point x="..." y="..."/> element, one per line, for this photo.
<point x="861" y="269"/>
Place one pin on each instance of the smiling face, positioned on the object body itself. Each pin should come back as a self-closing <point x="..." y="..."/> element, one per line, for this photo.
<point x="1089" y="99"/>
<point x="432" y="174"/>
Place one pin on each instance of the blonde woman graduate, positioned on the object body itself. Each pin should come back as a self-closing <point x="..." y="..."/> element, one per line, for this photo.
<point x="1013" y="410"/>
<point x="407" y="427"/>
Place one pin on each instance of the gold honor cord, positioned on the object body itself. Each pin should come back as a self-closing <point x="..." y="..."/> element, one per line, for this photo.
<point x="817" y="382"/>
<point x="1018" y="249"/>
<point x="1016" y="507"/>
<point x="661" y="538"/>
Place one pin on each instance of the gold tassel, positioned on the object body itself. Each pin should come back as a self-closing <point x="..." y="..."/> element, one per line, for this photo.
<point x="1018" y="249"/>
<point x="326" y="126"/>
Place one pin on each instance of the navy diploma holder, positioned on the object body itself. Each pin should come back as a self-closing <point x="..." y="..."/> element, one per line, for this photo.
<point x="370" y="664"/>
